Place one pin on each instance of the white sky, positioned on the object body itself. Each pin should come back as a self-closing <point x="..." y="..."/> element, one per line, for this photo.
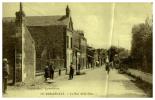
<point x="93" y="18"/>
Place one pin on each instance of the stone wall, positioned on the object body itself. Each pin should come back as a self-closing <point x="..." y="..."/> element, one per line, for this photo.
<point x="51" y="38"/>
<point x="28" y="56"/>
<point x="27" y="72"/>
<point x="69" y="50"/>
<point x="9" y="45"/>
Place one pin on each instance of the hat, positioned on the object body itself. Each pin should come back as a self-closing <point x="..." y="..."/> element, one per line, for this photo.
<point x="116" y="55"/>
<point x="5" y="60"/>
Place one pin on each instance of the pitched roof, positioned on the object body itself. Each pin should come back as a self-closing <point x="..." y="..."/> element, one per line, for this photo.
<point x="8" y="19"/>
<point x="46" y="20"/>
<point x="41" y="20"/>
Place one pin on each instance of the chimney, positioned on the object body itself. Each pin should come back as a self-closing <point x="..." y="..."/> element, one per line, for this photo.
<point x="67" y="11"/>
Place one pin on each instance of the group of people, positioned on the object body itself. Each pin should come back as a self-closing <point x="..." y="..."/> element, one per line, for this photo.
<point x="49" y="71"/>
<point x="111" y="64"/>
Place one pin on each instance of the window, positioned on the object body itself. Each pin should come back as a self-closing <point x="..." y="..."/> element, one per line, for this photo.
<point x="71" y="42"/>
<point x="67" y="41"/>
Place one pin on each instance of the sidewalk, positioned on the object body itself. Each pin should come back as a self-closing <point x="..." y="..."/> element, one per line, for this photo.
<point x="40" y="86"/>
<point x="40" y="81"/>
<point x="121" y="85"/>
<point x="147" y="77"/>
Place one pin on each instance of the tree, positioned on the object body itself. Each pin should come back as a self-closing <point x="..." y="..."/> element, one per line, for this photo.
<point x="111" y="52"/>
<point x="141" y="49"/>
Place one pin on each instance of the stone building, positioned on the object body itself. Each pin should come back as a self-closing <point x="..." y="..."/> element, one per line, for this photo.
<point x="19" y="49"/>
<point x="53" y="38"/>
<point x="83" y="50"/>
<point x="30" y="42"/>
<point x="90" y="57"/>
<point x="76" y="48"/>
<point x="79" y="49"/>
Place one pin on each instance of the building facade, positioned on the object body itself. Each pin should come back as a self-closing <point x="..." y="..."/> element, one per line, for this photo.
<point x="53" y="38"/>
<point x="90" y="57"/>
<point x="35" y="41"/>
<point x="83" y="50"/>
<point x="79" y="49"/>
<point x="76" y="49"/>
<point x="21" y="53"/>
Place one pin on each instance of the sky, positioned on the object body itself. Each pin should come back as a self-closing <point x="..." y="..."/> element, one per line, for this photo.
<point x="104" y="24"/>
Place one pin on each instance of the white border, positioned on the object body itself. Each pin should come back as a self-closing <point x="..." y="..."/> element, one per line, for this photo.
<point x="75" y="1"/>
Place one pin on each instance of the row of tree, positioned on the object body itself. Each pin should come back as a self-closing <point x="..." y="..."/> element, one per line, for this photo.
<point x="141" y="49"/>
<point x="121" y="52"/>
<point x="140" y="57"/>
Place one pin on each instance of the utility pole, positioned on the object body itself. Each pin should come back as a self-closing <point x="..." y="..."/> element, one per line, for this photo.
<point x="112" y="22"/>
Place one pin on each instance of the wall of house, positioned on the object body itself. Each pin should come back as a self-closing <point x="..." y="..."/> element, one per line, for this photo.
<point x="69" y="49"/>
<point x="90" y="56"/>
<point x="50" y="38"/>
<point x="9" y="46"/>
<point x="76" y="40"/>
<point x="76" y="48"/>
<point x="28" y="56"/>
<point x="83" y="50"/>
<point x="25" y="52"/>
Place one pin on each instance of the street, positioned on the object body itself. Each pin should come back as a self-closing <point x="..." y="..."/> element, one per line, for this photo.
<point x="95" y="83"/>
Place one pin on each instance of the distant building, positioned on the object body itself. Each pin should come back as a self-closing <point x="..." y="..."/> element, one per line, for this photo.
<point x="96" y="56"/>
<point x="79" y="49"/>
<point x="83" y="50"/>
<point x="90" y="57"/>
<point x="100" y="56"/>
<point x="76" y="48"/>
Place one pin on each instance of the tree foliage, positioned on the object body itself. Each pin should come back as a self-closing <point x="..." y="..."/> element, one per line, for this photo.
<point x="113" y="50"/>
<point x="141" y="49"/>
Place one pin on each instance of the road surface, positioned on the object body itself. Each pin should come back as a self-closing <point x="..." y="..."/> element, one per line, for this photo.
<point x="95" y="83"/>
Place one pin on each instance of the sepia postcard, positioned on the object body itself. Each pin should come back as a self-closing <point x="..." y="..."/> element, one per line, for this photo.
<point x="84" y="50"/>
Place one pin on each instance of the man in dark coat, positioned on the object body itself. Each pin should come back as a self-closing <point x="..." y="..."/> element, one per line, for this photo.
<point x="51" y="68"/>
<point x="79" y="67"/>
<point x="107" y="68"/>
<point x="71" y="71"/>
<point x="107" y="65"/>
<point x="5" y="74"/>
<point x="47" y="72"/>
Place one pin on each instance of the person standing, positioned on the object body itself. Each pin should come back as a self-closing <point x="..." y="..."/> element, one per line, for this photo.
<point x="116" y="61"/>
<point x="51" y="68"/>
<point x="47" y="72"/>
<point x="79" y="67"/>
<point x="5" y="74"/>
<point x="107" y="65"/>
<point x="71" y="71"/>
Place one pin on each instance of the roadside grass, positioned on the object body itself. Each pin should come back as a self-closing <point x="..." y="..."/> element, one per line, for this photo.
<point x="145" y="86"/>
